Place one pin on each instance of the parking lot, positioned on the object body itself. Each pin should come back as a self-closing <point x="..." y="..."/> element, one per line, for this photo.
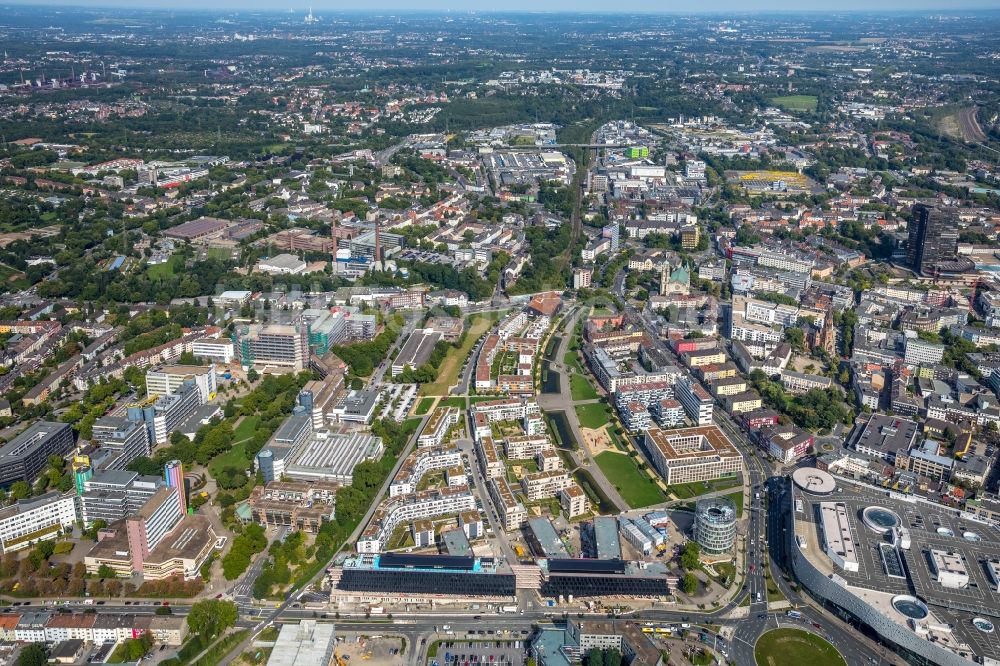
<point x="480" y="652"/>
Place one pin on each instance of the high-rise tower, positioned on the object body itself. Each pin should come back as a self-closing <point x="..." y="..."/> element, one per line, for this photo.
<point x="173" y="473"/>
<point x="933" y="237"/>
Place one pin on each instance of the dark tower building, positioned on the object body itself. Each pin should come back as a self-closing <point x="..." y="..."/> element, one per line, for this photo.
<point x="933" y="237"/>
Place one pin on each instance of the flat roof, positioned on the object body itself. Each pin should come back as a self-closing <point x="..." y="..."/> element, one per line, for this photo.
<point x="930" y="527"/>
<point x="837" y="531"/>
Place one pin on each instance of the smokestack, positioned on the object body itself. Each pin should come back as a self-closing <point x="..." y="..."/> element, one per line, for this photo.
<point x="334" y="255"/>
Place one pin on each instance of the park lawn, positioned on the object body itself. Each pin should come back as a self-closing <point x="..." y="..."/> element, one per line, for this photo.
<point x="795" y="646"/>
<point x="580" y="388"/>
<point x="452" y="363"/>
<point x="455" y="401"/>
<point x="236" y="456"/>
<point x="594" y="415"/>
<point x="795" y="102"/>
<point x="168" y="269"/>
<point x="696" y="488"/>
<point x="246" y="428"/>
<point x="632" y="484"/>
<point x="423" y="406"/>
<point x="571" y="361"/>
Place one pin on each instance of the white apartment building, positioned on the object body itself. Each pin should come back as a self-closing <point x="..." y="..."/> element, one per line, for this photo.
<point x="697" y="403"/>
<point x="406" y="508"/>
<point x="920" y="351"/>
<point x="544" y="484"/>
<point x="512" y="513"/>
<point x="438" y="425"/>
<point x="419" y="463"/>
<point x="489" y="460"/>
<point x="526" y="446"/>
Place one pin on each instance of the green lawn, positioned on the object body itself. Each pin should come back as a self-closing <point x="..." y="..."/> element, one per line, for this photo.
<point x="795" y="646"/>
<point x="696" y="488"/>
<point x="236" y="456"/>
<point x="160" y="271"/>
<point x="246" y="428"/>
<point x="423" y="406"/>
<point x="795" y="102"/>
<point x="632" y="484"/>
<point x="594" y="415"/>
<point x="737" y="499"/>
<point x="452" y="363"/>
<point x="456" y="401"/>
<point x="580" y="388"/>
<point x="572" y="362"/>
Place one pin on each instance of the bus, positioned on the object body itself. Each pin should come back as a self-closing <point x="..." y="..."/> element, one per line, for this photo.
<point x="795" y="615"/>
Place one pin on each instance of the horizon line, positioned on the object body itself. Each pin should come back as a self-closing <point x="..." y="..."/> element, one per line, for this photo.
<point x="123" y="6"/>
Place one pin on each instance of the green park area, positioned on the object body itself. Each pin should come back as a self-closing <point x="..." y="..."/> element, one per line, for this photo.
<point x="594" y="415"/>
<point x="167" y="269"/>
<point x="581" y="388"/>
<point x="424" y="406"/>
<point x="795" y="102"/>
<point x="697" y="488"/>
<point x="452" y="363"/>
<point x="236" y="456"/>
<point x="635" y="487"/>
<point x="795" y="646"/>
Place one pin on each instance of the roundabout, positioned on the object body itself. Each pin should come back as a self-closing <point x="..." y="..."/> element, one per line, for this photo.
<point x="788" y="645"/>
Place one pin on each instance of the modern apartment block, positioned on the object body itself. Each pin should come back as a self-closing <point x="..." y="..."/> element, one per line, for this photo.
<point x="697" y="402"/>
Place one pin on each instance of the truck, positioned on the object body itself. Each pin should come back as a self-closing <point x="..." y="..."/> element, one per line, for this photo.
<point x="508" y="609"/>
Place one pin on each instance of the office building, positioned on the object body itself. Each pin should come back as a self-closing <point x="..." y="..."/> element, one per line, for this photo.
<point x="25" y="456"/>
<point x="356" y="407"/>
<point x="173" y="475"/>
<point x="168" y="379"/>
<point x="327" y="456"/>
<point x="300" y="506"/>
<point x="303" y="644"/>
<point x="146" y="528"/>
<point x="121" y="439"/>
<point x="272" y="345"/>
<point x="920" y="351"/>
<point x="416" y="351"/>
<point x="112" y="495"/>
<point x="715" y="525"/>
<point x="692" y="454"/>
<point x="932" y="237"/>
<point x="697" y="402"/>
<point x="885" y="436"/>
<point x="28" y="521"/>
<point x="217" y="350"/>
<point x="169" y="411"/>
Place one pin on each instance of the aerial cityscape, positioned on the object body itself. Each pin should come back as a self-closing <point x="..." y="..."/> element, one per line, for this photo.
<point x="497" y="338"/>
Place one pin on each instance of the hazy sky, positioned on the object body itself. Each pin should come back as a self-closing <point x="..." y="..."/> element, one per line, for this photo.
<point x="685" y="6"/>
